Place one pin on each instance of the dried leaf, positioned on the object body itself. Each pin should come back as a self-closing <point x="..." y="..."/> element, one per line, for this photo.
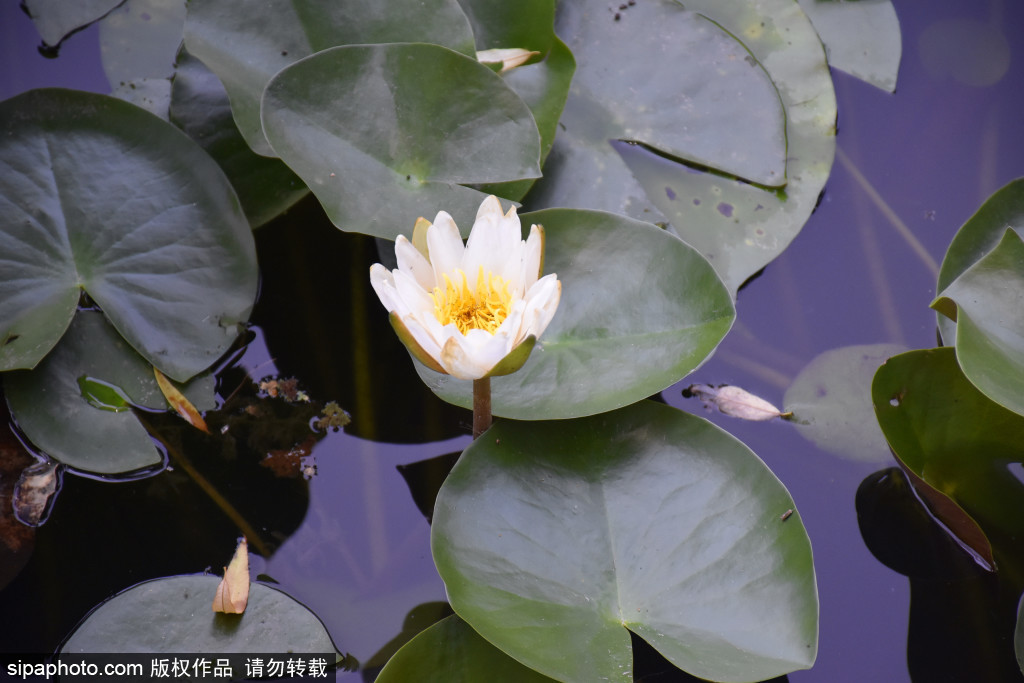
<point x="233" y="590"/>
<point x="34" y="492"/>
<point x="181" y="405"/>
<point x="735" y="402"/>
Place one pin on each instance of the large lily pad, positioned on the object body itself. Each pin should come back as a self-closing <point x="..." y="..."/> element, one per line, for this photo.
<point x="245" y="45"/>
<point x="737" y="226"/>
<point x="956" y="443"/>
<point x="384" y="134"/>
<point x="831" y="401"/>
<point x="977" y="237"/>
<point x="639" y="311"/>
<point x="173" y="615"/>
<point x="543" y="85"/>
<point x="666" y="77"/>
<point x="554" y="538"/>
<point x="987" y="302"/>
<point x="199" y="106"/>
<point x="861" y="38"/>
<point x="452" y="652"/>
<point x="98" y="195"/>
<point x="74" y="405"/>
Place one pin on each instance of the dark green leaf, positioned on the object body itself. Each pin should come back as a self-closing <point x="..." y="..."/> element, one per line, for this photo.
<point x="425" y="122"/>
<point x="246" y="44"/>
<point x="98" y="195"/>
<point x="554" y="538"/>
<point x="639" y="311"/>
<point x="452" y="652"/>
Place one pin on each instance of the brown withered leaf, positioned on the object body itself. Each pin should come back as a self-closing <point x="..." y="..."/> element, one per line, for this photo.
<point x="735" y="402"/>
<point x="233" y="590"/>
<point x="181" y="405"/>
<point x="34" y="492"/>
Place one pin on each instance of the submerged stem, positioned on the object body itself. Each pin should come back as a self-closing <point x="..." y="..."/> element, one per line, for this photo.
<point x="481" y="405"/>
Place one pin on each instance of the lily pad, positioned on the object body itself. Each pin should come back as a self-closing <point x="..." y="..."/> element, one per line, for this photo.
<point x="956" y="444"/>
<point x="200" y="107"/>
<point x="173" y="615"/>
<point x="737" y="226"/>
<point x="450" y="651"/>
<point x="384" y="134"/>
<point x="245" y="45"/>
<point x="831" y="401"/>
<point x="543" y="85"/>
<point x="977" y="237"/>
<point x="140" y="39"/>
<point x="57" y="19"/>
<point x="73" y="406"/>
<point x="639" y="311"/>
<point x="98" y="195"/>
<point x="861" y="38"/>
<point x="987" y="301"/>
<point x="553" y="538"/>
<point x="665" y="77"/>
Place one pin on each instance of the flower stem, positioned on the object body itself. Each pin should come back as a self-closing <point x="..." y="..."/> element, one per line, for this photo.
<point x="481" y="405"/>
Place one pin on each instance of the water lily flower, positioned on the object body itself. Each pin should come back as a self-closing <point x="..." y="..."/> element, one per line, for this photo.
<point x="474" y="310"/>
<point x="508" y="58"/>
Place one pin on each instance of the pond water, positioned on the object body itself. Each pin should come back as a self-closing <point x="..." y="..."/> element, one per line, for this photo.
<point x="352" y="544"/>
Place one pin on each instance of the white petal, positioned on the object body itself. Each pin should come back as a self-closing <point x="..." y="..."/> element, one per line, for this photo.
<point x="413" y="262"/>
<point x="493" y="241"/>
<point x="532" y="253"/>
<point x="426" y="340"/>
<point x="383" y="283"/>
<point x="412" y="297"/>
<point x="474" y="355"/>
<point x="445" y="246"/>
<point x="541" y="304"/>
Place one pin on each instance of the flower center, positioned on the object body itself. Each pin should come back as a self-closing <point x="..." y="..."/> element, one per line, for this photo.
<point x="484" y="308"/>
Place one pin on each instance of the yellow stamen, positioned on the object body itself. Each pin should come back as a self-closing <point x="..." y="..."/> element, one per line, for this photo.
<point x="483" y="309"/>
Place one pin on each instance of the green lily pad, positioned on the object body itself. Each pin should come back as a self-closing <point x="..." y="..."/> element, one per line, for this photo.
<point x="425" y="122"/>
<point x="977" y="237"/>
<point x="737" y="226"/>
<point x="200" y="107"/>
<point x="245" y="45"/>
<point x="670" y="79"/>
<point x="639" y="311"/>
<point x="72" y="406"/>
<point x="450" y="651"/>
<point x="553" y="538"/>
<point x="140" y="39"/>
<point x="986" y="301"/>
<point x="98" y="195"/>
<point x="861" y="38"/>
<point x="57" y="19"/>
<point x="543" y="85"/>
<point x="956" y="444"/>
<point x="174" y="615"/>
<point x="831" y="401"/>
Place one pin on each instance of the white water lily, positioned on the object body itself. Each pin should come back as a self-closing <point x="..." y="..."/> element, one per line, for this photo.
<point x="508" y="58"/>
<point x="473" y="310"/>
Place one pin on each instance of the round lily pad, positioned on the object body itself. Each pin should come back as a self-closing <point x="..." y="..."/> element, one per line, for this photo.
<point x="556" y="539"/>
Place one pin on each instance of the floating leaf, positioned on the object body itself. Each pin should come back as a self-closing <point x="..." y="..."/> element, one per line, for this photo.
<point x="667" y="78"/>
<point x="245" y="45"/>
<point x="426" y="122"/>
<point x="35" y="492"/>
<point x="140" y="40"/>
<point x="734" y="401"/>
<point x="233" y="590"/>
<point x="173" y="615"/>
<point x="57" y="19"/>
<point x="737" y="226"/>
<point x="831" y="401"/>
<point x="861" y="38"/>
<point x="955" y="443"/>
<point x="555" y="537"/>
<point x="72" y="405"/>
<point x="98" y="195"/>
<point x="179" y="403"/>
<point x="450" y="651"/>
<point x="977" y="237"/>
<point x="986" y="302"/>
<point x="603" y="349"/>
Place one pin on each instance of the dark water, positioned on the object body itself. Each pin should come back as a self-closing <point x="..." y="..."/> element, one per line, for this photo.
<point x="353" y="545"/>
